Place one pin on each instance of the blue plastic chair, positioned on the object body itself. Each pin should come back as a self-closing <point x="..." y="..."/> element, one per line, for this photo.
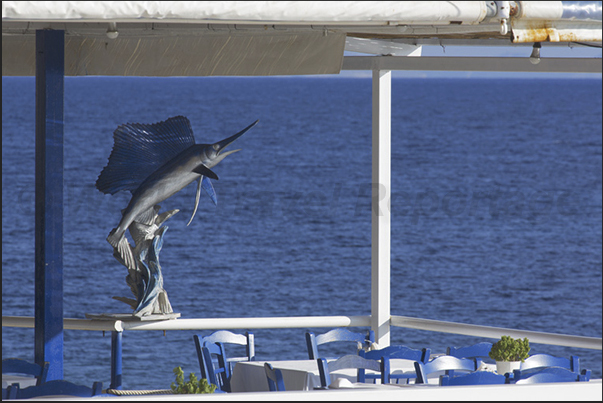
<point x="337" y="335"/>
<point x="274" y="377"/>
<point x="353" y="361"/>
<point x="213" y="365"/>
<point x="18" y="366"/>
<point x="479" y="350"/>
<point x="445" y="363"/>
<point x="549" y="374"/>
<point x="55" y="388"/>
<point x="545" y="360"/>
<point x="9" y="392"/>
<point x="397" y="352"/>
<point x="473" y="378"/>
<point x="225" y="337"/>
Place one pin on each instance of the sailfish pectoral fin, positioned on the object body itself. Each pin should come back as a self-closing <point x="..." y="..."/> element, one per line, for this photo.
<point x="196" y="200"/>
<point x="205" y="171"/>
<point x="209" y="189"/>
<point x="206" y="184"/>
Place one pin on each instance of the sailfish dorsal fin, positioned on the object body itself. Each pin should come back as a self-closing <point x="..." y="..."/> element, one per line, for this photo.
<point x="140" y="149"/>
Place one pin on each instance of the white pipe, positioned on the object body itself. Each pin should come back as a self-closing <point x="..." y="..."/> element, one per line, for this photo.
<point x="250" y="323"/>
<point x="592" y="343"/>
<point x="540" y="10"/>
<point x="200" y="324"/>
<point x="71" y="324"/>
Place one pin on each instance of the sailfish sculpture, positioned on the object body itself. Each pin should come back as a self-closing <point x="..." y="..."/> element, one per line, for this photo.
<point x="154" y="162"/>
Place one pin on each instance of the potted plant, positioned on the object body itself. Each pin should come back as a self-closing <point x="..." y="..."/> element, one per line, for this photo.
<point x="509" y="353"/>
<point x="193" y="385"/>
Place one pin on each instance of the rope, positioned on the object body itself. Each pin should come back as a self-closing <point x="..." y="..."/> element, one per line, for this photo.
<point x="119" y="392"/>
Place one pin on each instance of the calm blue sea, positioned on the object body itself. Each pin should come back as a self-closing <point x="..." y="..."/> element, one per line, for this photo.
<point x="496" y="211"/>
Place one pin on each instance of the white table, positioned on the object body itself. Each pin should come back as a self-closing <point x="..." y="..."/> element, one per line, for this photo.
<point x="249" y="376"/>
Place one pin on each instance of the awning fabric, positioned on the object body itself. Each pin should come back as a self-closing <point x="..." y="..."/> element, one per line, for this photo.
<point x="208" y="38"/>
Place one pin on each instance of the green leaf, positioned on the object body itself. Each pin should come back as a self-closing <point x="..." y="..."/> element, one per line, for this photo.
<point x="508" y="349"/>
<point x="192" y="386"/>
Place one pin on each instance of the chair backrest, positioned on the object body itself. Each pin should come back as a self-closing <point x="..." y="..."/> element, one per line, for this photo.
<point x="545" y="360"/>
<point x="479" y="350"/>
<point x="398" y="351"/>
<point x="274" y="377"/>
<point x="10" y="389"/>
<point x="473" y="378"/>
<point x="445" y="363"/>
<point x="548" y="374"/>
<point x="227" y="337"/>
<point x="55" y="388"/>
<point x="337" y="335"/>
<point x="246" y="340"/>
<point x="353" y="361"/>
<point x="21" y="367"/>
<point x="213" y="365"/>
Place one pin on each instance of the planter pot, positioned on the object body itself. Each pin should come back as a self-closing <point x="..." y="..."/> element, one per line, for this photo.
<point x="502" y="367"/>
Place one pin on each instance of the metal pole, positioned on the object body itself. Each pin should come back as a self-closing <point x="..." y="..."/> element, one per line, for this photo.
<point x="380" y="211"/>
<point x="116" y="359"/>
<point x="50" y="69"/>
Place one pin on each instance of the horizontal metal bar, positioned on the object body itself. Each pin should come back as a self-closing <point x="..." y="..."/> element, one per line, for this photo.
<point x="592" y="343"/>
<point x="250" y="323"/>
<point x="72" y="324"/>
<point x="556" y="339"/>
<point x="442" y="63"/>
<point x="200" y="324"/>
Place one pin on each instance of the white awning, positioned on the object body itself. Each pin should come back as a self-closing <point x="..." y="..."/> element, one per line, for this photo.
<point x="250" y="12"/>
<point x="207" y="38"/>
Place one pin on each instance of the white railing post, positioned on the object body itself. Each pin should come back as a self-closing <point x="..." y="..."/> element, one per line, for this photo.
<point x="380" y="209"/>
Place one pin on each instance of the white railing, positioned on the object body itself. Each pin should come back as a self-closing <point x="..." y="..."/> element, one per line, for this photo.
<point x="593" y="343"/>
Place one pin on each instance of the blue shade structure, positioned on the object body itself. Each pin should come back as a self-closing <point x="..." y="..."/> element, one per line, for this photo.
<point x="49" y="228"/>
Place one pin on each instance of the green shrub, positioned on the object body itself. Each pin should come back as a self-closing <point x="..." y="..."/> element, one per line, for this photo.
<point x="193" y="385"/>
<point x="508" y="349"/>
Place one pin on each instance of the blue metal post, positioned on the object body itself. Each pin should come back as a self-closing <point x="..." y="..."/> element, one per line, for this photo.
<point x="50" y="71"/>
<point x="116" y="359"/>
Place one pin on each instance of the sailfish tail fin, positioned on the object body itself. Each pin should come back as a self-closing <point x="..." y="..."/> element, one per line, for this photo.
<point x="122" y="249"/>
<point x="115" y="237"/>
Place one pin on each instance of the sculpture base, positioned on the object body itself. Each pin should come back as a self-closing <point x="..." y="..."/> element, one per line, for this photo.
<point x="131" y="317"/>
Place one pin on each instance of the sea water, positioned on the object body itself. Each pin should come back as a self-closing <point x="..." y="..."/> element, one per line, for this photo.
<point x="495" y="211"/>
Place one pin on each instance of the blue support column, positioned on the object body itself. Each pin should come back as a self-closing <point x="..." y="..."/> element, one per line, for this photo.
<point x="50" y="70"/>
<point x="116" y="359"/>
